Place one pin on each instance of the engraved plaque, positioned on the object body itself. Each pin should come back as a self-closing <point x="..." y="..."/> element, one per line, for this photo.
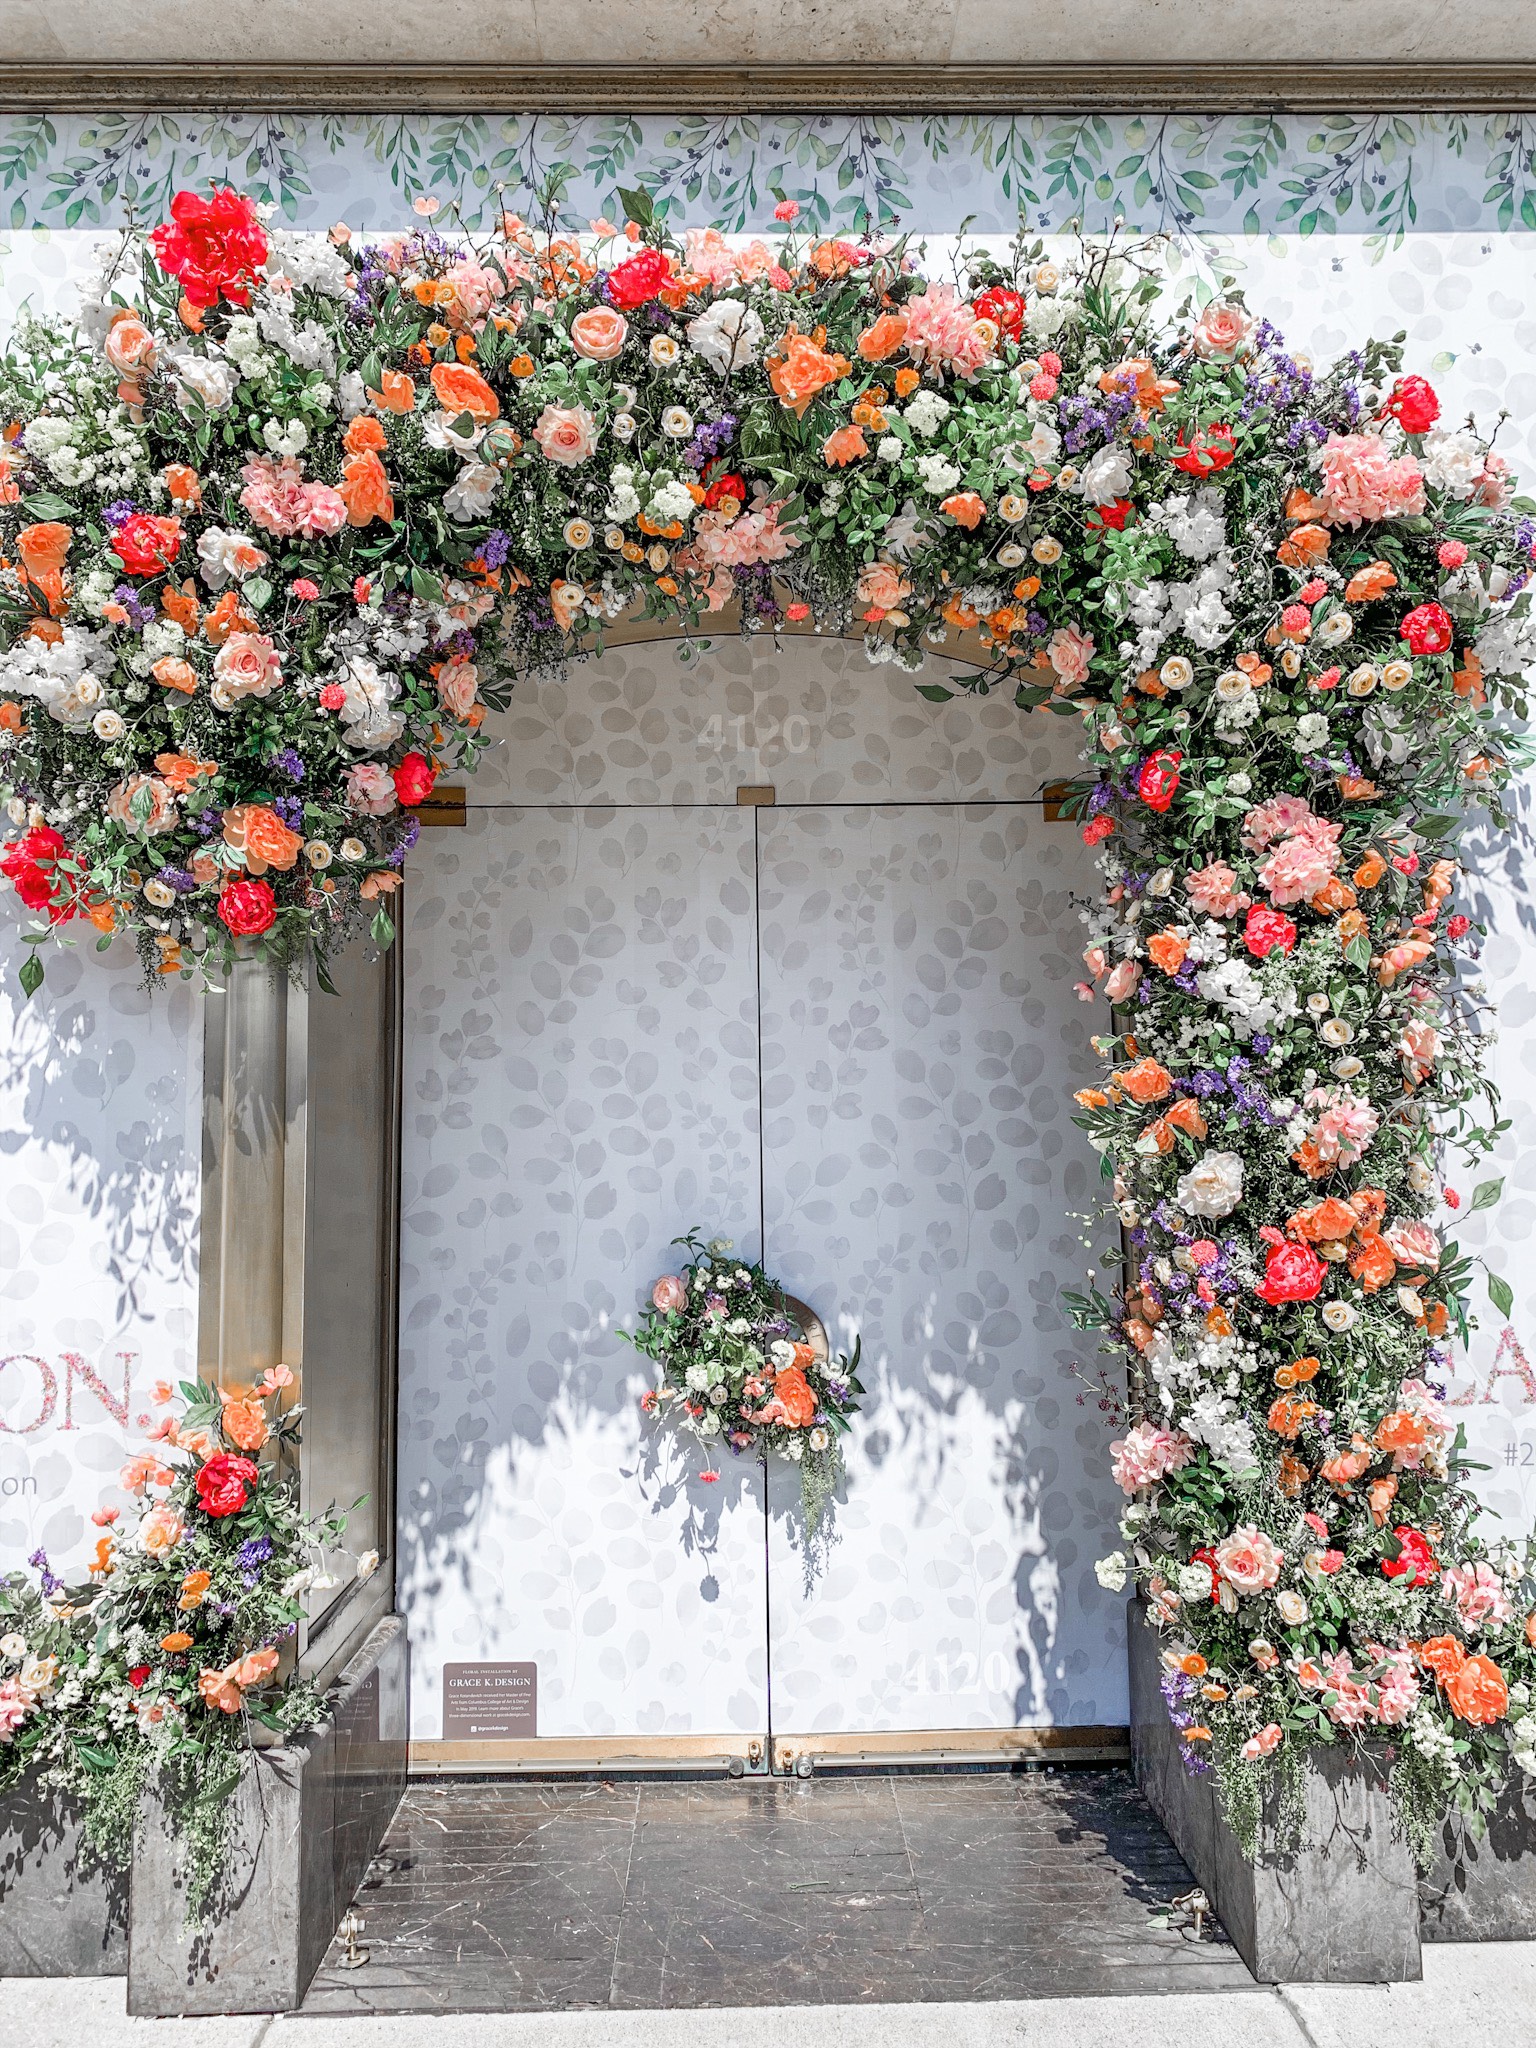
<point x="490" y="1702"/>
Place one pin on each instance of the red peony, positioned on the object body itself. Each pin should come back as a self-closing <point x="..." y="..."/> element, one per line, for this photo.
<point x="1413" y="405"/>
<point x="247" y="908"/>
<point x="1005" y="309"/>
<point x="1293" y="1272"/>
<point x="1157" y="780"/>
<point x="147" y="545"/>
<point x="216" y="246"/>
<point x="1205" y="450"/>
<point x="414" y="779"/>
<point x="1114" y="514"/>
<point x="224" y="1484"/>
<point x="641" y="278"/>
<point x="1427" y="629"/>
<point x="1415" y="1561"/>
<point x="1267" y="929"/>
<point x="29" y="865"/>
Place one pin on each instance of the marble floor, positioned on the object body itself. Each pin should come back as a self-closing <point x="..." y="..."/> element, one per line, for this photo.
<point x="512" y="1896"/>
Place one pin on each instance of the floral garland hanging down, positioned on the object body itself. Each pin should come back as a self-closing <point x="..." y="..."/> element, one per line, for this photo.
<point x="282" y="518"/>
<point x="736" y="1368"/>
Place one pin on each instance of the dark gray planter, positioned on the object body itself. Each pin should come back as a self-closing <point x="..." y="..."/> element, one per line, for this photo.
<point x="1343" y="1910"/>
<point x="308" y="1819"/>
<point x="1486" y="1890"/>
<point x="60" y="1914"/>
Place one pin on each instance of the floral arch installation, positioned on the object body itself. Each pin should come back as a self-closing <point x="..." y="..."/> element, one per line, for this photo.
<point x="285" y="516"/>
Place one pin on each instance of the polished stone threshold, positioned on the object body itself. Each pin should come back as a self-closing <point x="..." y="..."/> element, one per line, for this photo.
<point x="954" y="1887"/>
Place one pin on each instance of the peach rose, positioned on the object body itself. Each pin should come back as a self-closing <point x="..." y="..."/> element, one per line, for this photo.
<point x="261" y="836"/>
<point x="246" y="665"/>
<point x="130" y="348"/>
<point x="566" y="434"/>
<point x="44" y="547"/>
<point x="143" y="803"/>
<point x="245" y="1424"/>
<point x="396" y="393"/>
<point x="669" y="1294"/>
<point x="1221" y="330"/>
<point x="174" y="674"/>
<point x="846" y="445"/>
<point x="461" y="389"/>
<point x="1476" y="1691"/>
<point x="599" y="333"/>
<point x="456" y="682"/>
<point x="1248" y="1559"/>
<point x="882" y="584"/>
<point x="363" y="433"/>
<point x="364" y="489"/>
<point x="799" y="369"/>
<point x="883" y="337"/>
<point x="161" y="1530"/>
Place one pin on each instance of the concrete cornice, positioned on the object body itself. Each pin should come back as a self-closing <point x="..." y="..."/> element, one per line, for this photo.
<point x="949" y="88"/>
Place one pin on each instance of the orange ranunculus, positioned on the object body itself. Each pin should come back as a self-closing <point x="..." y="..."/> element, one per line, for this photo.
<point x="1167" y="950"/>
<point x="183" y="483"/>
<point x="1187" y="1116"/>
<point x="182" y="770"/>
<point x="44" y="548"/>
<point x="1293" y="1474"/>
<point x="218" y="1689"/>
<point x="181" y="605"/>
<point x="461" y="389"/>
<point x="843" y="447"/>
<point x="907" y="382"/>
<point x="1342" y="1471"/>
<point x="193" y="1587"/>
<point x="260" y="834"/>
<point x="1476" y="1692"/>
<point x="396" y="393"/>
<point x="1302" y="549"/>
<point x="1370" y="870"/>
<point x="792" y="1394"/>
<point x="11" y="719"/>
<point x="174" y="674"/>
<point x="1191" y="1663"/>
<point x="798" y="369"/>
<point x="1289" y="1414"/>
<point x="1444" y="1655"/>
<point x="1369" y="583"/>
<point x="177" y="1641"/>
<point x="883" y="337"/>
<point x="966" y="508"/>
<point x="1333" y="897"/>
<point x="365" y="432"/>
<point x="1371" y="1262"/>
<point x="1146" y="1081"/>
<point x="1327" y="1219"/>
<point x="245" y="1424"/>
<point x="365" y="489"/>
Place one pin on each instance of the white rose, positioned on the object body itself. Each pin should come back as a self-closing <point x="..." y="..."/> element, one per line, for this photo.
<point x="1107" y="476"/>
<point x="472" y="491"/>
<point x="1293" y="1609"/>
<point x="207" y="378"/>
<point x="1213" y="1186"/>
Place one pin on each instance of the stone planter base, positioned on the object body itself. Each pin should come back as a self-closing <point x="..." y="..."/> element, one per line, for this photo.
<point x="308" y="1818"/>
<point x="1486" y="1890"/>
<point x="1343" y="1910"/>
<point x="55" y="1920"/>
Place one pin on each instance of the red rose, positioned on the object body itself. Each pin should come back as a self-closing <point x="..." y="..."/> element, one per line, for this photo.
<point x="1266" y="929"/>
<point x="1205" y="450"/>
<point x="727" y="486"/>
<point x="641" y="278"/>
<point x="247" y="908"/>
<point x="414" y="779"/>
<point x="1414" y="405"/>
<point x="29" y="864"/>
<point x="1415" y="1561"/>
<point x="1115" y="514"/>
<point x="1157" y="780"/>
<point x="1427" y="629"/>
<point x="1293" y="1272"/>
<point x="1005" y="309"/>
<point x="223" y="1485"/>
<point x="137" y="1675"/>
<point x="146" y="545"/>
<point x="215" y="246"/>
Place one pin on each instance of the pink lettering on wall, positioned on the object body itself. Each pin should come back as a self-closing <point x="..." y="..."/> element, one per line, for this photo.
<point x="75" y="1368"/>
<point x="50" y="1394"/>
<point x="25" y="1377"/>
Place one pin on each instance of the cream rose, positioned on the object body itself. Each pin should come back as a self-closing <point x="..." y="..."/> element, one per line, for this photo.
<point x="599" y="333"/>
<point x="566" y="434"/>
<point x="246" y="665"/>
<point x="1248" y="1560"/>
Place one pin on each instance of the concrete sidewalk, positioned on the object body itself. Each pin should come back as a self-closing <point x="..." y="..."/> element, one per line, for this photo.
<point x="1471" y="1997"/>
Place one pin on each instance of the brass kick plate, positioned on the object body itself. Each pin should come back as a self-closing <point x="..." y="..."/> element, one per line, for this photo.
<point x="447" y="805"/>
<point x="757" y="793"/>
<point x="1055" y="795"/>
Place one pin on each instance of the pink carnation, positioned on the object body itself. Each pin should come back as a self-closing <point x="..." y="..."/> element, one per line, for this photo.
<point x="1362" y="482"/>
<point x="943" y="332"/>
<point x="1213" y="890"/>
<point x="1303" y="863"/>
<point x="1143" y="1456"/>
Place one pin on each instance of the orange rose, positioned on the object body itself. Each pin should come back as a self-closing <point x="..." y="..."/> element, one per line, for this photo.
<point x="184" y="484"/>
<point x="1293" y="1474"/>
<point x="181" y="605"/>
<point x="1371" y="1262"/>
<point x="1325" y="1220"/>
<point x="1167" y="950"/>
<point x="226" y="619"/>
<point x="461" y="389"/>
<point x="1301" y="549"/>
<point x="882" y="584"/>
<point x="966" y="508"/>
<point x="1289" y="1415"/>
<point x="1369" y="583"/>
<point x="245" y="1424"/>
<point x="365" y="488"/>
<point x="1477" y="1693"/>
<point x="1402" y="1433"/>
<point x="1146" y="1081"/>
<point x="261" y="835"/>
<point x="173" y="674"/>
<point x="43" y="548"/>
<point x="177" y="1641"/>
<point x="1379" y="1496"/>
<point x="182" y="770"/>
<point x="364" y="433"/>
<point x="1443" y="1655"/>
<point x="218" y="1689"/>
<point x="883" y="337"/>
<point x="792" y="1393"/>
<point x="799" y="369"/>
<point x="1186" y="1116"/>
<point x="843" y="447"/>
<point x="396" y="393"/>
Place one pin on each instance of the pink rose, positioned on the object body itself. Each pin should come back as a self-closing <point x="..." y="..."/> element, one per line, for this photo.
<point x="1146" y="1453"/>
<point x="669" y="1294"/>
<point x="598" y="334"/>
<point x="566" y="434"/>
<point x="161" y="1530"/>
<point x="1221" y="330"/>
<point x="1068" y="652"/>
<point x="246" y="665"/>
<point x="1478" y="1594"/>
<point x="1413" y="1244"/>
<point x="371" y="790"/>
<point x="882" y="584"/>
<point x="456" y="682"/>
<point x="1248" y="1560"/>
<point x="1262" y="1744"/>
<point x="1122" y="980"/>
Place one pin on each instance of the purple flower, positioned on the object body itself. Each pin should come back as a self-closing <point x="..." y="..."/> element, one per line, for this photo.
<point x="39" y="1563"/>
<point x="255" y="1550"/>
<point x="495" y="548"/>
<point x="119" y="512"/>
<point x="290" y="763"/>
<point x="290" y="809"/>
<point x="139" y="614"/>
<point x="208" y="822"/>
<point x="179" y="879"/>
